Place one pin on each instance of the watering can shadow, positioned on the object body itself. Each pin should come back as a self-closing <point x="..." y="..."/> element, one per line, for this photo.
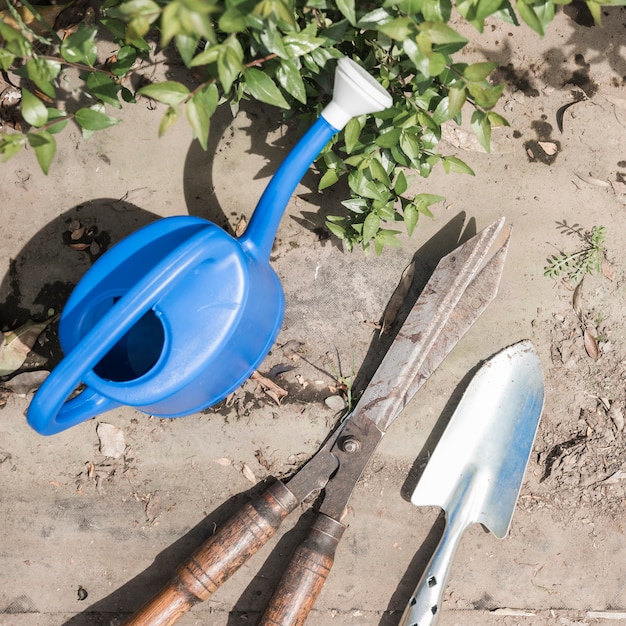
<point x="180" y="313"/>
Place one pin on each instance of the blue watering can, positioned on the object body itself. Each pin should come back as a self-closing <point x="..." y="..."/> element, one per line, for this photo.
<point x="179" y="314"/>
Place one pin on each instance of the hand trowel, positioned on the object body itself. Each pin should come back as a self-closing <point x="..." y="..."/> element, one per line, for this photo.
<point x="476" y="471"/>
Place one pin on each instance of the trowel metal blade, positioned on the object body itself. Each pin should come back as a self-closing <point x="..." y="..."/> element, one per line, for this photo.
<point x="479" y="463"/>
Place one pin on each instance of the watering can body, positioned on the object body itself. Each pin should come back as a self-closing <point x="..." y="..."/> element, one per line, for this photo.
<point x="170" y="321"/>
<point x="180" y="313"/>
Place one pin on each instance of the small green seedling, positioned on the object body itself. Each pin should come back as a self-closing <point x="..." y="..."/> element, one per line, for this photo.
<point x="586" y="260"/>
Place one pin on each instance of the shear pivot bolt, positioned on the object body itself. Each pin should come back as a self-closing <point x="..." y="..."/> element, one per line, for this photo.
<point x="350" y="445"/>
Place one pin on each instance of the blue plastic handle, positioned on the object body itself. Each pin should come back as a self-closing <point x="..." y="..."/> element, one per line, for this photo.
<point x="50" y="412"/>
<point x="259" y="236"/>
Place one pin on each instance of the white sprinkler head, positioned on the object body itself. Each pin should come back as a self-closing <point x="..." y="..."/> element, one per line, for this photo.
<point x="355" y="93"/>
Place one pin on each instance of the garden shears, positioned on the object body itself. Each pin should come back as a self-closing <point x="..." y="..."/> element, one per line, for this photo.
<point x="461" y="287"/>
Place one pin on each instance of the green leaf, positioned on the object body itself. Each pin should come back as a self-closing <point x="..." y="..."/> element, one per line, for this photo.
<point x="136" y="30"/>
<point x="410" y="145"/>
<point x="479" y="71"/>
<point x="55" y="114"/>
<point x="495" y="119"/>
<point x="335" y="228"/>
<point x="80" y="47"/>
<point x="422" y="207"/>
<point x="386" y="237"/>
<point x="116" y="27"/>
<point x="272" y="39"/>
<point x="371" y="226"/>
<point x="260" y="86"/>
<point x="400" y="28"/>
<point x="169" y="118"/>
<point x="43" y="72"/>
<point x="485" y="95"/>
<point x="130" y="9"/>
<point x="206" y="57"/>
<point x="45" y="148"/>
<point x="529" y="16"/>
<point x="91" y="119"/>
<point x="199" y="111"/>
<point x="427" y="199"/>
<point x="456" y="99"/>
<point x="440" y="33"/>
<point x="290" y="79"/>
<point x="124" y="60"/>
<point x="595" y="9"/>
<point x="482" y="129"/>
<point x="411" y="216"/>
<point x="487" y="8"/>
<point x="6" y="59"/>
<point x="389" y="139"/>
<point x="347" y="9"/>
<point x="234" y="19"/>
<point x="442" y="113"/>
<point x="14" y="41"/>
<point x="401" y="184"/>
<point x="436" y="10"/>
<point x="104" y="88"/>
<point x="186" y="46"/>
<point x="229" y="63"/>
<point x="429" y="63"/>
<point x="299" y="44"/>
<point x="379" y="173"/>
<point x="33" y="109"/>
<point x="454" y="164"/>
<point x="169" y="92"/>
<point x="329" y="178"/>
<point x="11" y="144"/>
<point x="352" y="132"/>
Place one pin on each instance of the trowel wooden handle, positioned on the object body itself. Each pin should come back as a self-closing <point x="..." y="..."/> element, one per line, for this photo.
<point x="218" y="558"/>
<point x="305" y="576"/>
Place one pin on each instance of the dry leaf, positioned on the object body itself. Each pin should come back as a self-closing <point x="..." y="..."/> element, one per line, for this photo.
<point x="263" y="462"/>
<point x="577" y="297"/>
<point x="608" y="270"/>
<point x="137" y="196"/>
<point x="593" y="181"/>
<point x="591" y="345"/>
<point x="18" y="343"/>
<point x="223" y="461"/>
<point x="24" y="383"/>
<point x="398" y="297"/>
<point x="269" y="387"/>
<point x="249" y="474"/>
<point x="241" y="226"/>
<point x="549" y="147"/>
<point x="153" y="507"/>
<point x="112" y="440"/>
<point x="292" y="349"/>
<point x="618" y="102"/>
<point x="619" y="186"/>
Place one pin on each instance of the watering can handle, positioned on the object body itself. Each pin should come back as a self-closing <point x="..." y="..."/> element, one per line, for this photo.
<point x="50" y="412"/>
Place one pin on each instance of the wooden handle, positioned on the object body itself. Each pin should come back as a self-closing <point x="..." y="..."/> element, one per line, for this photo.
<point x="218" y="558"/>
<point x="305" y="576"/>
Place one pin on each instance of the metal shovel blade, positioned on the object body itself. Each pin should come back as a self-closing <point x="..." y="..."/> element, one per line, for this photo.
<point x="476" y="471"/>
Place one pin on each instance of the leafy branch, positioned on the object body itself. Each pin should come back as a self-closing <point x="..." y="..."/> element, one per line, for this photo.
<point x="279" y="52"/>
<point x="587" y="260"/>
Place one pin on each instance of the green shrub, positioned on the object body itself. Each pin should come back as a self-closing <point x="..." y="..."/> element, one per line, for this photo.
<point x="280" y="52"/>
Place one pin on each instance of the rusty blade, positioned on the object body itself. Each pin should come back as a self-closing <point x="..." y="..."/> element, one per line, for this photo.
<point x="458" y="291"/>
<point x="451" y="302"/>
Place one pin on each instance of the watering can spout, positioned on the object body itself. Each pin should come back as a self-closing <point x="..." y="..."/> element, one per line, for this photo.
<point x="355" y="93"/>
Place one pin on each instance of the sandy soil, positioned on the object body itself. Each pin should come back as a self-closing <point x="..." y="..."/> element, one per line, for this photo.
<point x="88" y="537"/>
